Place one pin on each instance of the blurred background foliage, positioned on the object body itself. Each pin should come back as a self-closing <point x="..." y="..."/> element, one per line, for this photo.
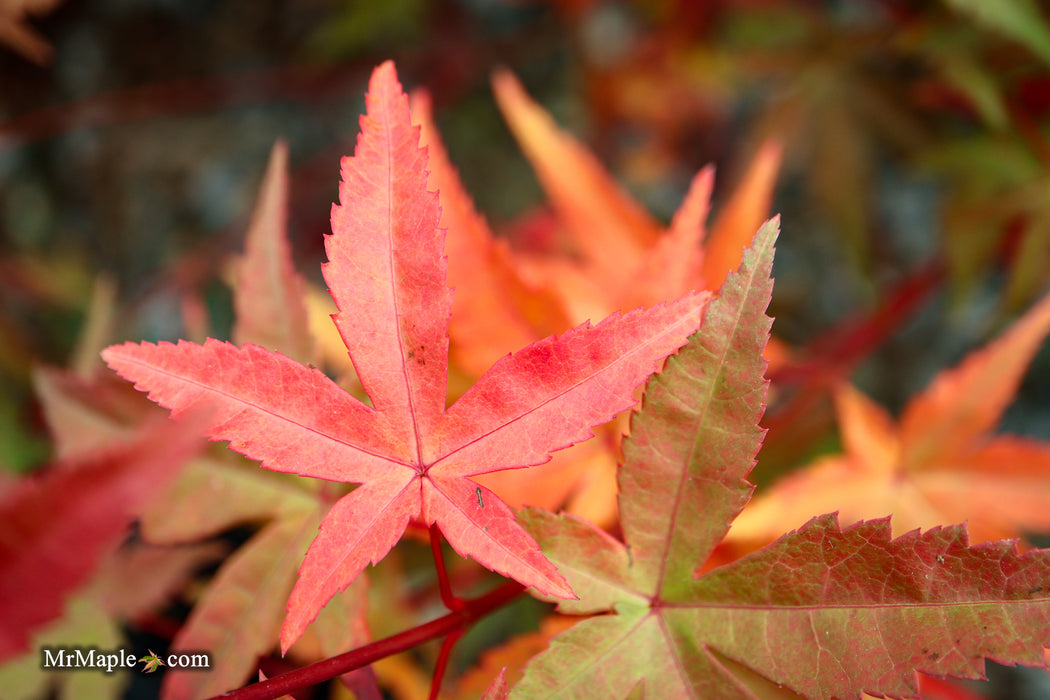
<point x="134" y="133"/>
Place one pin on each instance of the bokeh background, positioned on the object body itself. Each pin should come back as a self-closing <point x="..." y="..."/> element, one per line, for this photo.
<point x="915" y="179"/>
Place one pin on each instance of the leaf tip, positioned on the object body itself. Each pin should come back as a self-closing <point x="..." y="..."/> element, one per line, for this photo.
<point x="385" y="82"/>
<point x="503" y="79"/>
<point x="385" y="72"/>
<point x="116" y="355"/>
<point x="295" y="623"/>
<point x="497" y="690"/>
<point x="561" y="591"/>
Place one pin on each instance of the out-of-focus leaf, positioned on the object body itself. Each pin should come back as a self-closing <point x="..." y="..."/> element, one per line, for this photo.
<point x="212" y="495"/>
<point x="741" y="215"/>
<point x="320" y="307"/>
<point x="1031" y="263"/>
<point x="962" y="404"/>
<point x="240" y="614"/>
<point x="510" y="658"/>
<point x="506" y="295"/>
<point x="675" y="261"/>
<point x="608" y="226"/>
<point x="627" y="259"/>
<point x="998" y="184"/>
<point x="83" y="623"/>
<point x="87" y="413"/>
<point x="129" y="581"/>
<point x="979" y="86"/>
<point x="1020" y="20"/>
<point x="19" y="35"/>
<point x="98" y="328"/>
<point x="20" y="449"/>
<point x="268" y="294"/>
<point x="341" y="626"/>
<point x="842" y="175"/>
<point x="59" y="523"/>
<point x="494" y="311"/>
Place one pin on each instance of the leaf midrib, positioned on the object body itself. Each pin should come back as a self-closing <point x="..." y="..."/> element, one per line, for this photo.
<point x="258" y="407"/>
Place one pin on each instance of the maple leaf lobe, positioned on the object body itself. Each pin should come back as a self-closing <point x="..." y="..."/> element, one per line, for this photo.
<point x="386" y="268"/>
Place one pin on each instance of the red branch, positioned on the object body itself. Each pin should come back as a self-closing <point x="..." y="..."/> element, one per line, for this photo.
<point x="304" y="677"/>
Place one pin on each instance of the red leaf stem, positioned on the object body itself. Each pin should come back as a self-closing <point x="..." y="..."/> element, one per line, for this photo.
<point x="451" y="602"/>
<point x="442" y="661"/>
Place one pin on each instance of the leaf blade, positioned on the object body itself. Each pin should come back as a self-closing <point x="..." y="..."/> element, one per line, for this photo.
<point x="493" y="310"/>
<point x="608" y="225"/>
<point x="711" y="393"/>
<point x="936" y="604"/>
<point x="604" y="657"/>
<point x="674" y="263"/>
<point x="387" y="278"/>
<point x="598" y="567"/>
<point x="57" y="525"/>
<point x="743" y="213"/>
<point x="966" y="401"/>
<point x="240" y="613"/>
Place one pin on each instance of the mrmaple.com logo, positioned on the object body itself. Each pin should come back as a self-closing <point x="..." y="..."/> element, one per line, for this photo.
<point x="75" y="658"/>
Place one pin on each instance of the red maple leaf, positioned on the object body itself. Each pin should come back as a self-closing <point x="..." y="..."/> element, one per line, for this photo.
<point x="413" y="456"/>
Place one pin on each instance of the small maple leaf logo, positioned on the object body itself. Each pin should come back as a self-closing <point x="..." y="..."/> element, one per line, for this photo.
<point x="152" y="662"/>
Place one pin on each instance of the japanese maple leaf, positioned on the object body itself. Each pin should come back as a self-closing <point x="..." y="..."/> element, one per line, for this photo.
<point x="413" y="456"/>
<point x="151" y="661"/>
<point x="822" y="612"/>
<point x="938" y="464"/>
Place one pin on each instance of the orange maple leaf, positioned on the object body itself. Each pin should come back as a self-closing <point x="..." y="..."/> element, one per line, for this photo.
<point x="938" y="464"/>
<point x="624" y="255"/>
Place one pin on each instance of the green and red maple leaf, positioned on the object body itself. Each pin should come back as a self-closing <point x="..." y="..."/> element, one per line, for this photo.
<point x="412" y="455"/>
<point x="822" y="612"/>
<point x="152" y="662"/>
